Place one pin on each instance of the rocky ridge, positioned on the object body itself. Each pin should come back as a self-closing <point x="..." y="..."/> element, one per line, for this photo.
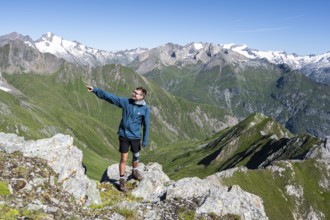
<point x="47" y="177"/>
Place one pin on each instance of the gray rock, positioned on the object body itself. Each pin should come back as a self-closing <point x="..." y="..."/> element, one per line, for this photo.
<point x="235" y="201"/>
<point x="215" y="198"/>
<point x="152" y="186"/>
<point x="209" y="195"/>
<point x="320" y="152"/>
<point x="190" y="188"/>
<point x="64" y="158"/>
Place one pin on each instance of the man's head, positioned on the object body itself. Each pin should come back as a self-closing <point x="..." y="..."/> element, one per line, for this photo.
<point x="139" y="93"/>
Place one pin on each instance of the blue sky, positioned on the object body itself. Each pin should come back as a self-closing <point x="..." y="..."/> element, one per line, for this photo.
<point x="293" y="26"/>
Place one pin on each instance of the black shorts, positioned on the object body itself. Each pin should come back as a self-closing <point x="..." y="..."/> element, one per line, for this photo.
<point x="125" y="143"/>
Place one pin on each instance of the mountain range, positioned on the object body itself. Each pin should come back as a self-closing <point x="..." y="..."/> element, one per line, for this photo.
<point x="314" y="66"/>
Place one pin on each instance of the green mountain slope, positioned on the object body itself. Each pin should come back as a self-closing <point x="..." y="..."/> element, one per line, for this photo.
<point x="59" y="103"/>
<point x="244" y="87"/>
<point x="306" y="104"/>
<point x="290" y="189"/>
<point x="255" y="142"/>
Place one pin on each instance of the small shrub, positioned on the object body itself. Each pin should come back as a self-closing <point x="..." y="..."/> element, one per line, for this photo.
<point x="21" y="172"/>
<point x="186" y="215"/>
<point x="4" y="189"/>
<point x="127" y="213"/>
<point x="33" y="214"/>
<point x="214" y="216"/>
<point x="8" y="213"/>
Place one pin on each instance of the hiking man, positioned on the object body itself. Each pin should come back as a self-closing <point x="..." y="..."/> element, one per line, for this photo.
<point x="135" y="114"/>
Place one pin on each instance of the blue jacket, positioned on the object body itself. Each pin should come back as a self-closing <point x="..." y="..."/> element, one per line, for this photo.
<point x="133" y="116"/>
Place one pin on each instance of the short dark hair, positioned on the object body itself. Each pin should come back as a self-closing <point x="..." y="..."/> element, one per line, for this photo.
<point x="144" y="91"/>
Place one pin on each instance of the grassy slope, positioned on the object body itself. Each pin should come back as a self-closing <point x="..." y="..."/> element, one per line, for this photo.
<point x="294" y="100"/>
<point x="59" y="103"/>
<point x="308" y="103"/>
<point x="270" y="186"/>
<point x="50" y="113"/>
<point x="245" y="144"/>
<point x="250" y="87"/>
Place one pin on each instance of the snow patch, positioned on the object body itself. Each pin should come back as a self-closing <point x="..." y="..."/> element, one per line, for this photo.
<point x="3" y="87"/>
<point x="198" y="46"/>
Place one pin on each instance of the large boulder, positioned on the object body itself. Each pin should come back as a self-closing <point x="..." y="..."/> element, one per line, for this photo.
<point x="63" y="157"/>
<point x="215" y="198"/>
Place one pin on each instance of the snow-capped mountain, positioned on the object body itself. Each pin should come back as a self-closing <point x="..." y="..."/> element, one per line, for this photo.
<point x="316" y="67"/>
<point x="281" y="57"/>
<point x="73" y="51"/>
<point x="76" y="52"/>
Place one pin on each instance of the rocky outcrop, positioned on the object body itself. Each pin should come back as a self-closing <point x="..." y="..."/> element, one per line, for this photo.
<point x="31" y="184"/>
<point x="202" y="196"/>
<point x="321" y="152"/>
<point x="63" y="157"/>
<point x="29" y="190"/>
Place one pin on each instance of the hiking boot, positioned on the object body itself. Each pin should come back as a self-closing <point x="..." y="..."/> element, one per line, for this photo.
<point x="122" y="186"/>
<point x="136" y="175"/>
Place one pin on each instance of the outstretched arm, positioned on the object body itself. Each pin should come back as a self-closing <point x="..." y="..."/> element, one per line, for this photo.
<point x="113" y="99"/>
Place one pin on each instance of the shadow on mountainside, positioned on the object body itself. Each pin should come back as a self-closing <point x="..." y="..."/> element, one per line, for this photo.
<point x="260" y="154"/>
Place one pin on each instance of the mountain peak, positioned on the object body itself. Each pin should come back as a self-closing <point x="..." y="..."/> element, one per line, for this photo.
<point x="14" y="36"/>
<point x="198" y="46"/>
<point x="49" y="36"/>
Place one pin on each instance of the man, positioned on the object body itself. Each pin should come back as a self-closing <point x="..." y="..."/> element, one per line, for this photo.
<point x="135" y="114"/>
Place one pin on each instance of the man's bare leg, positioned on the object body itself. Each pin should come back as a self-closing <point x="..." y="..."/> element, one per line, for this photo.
<point x="122" y="164"/>
<point x="122" y="168"/>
